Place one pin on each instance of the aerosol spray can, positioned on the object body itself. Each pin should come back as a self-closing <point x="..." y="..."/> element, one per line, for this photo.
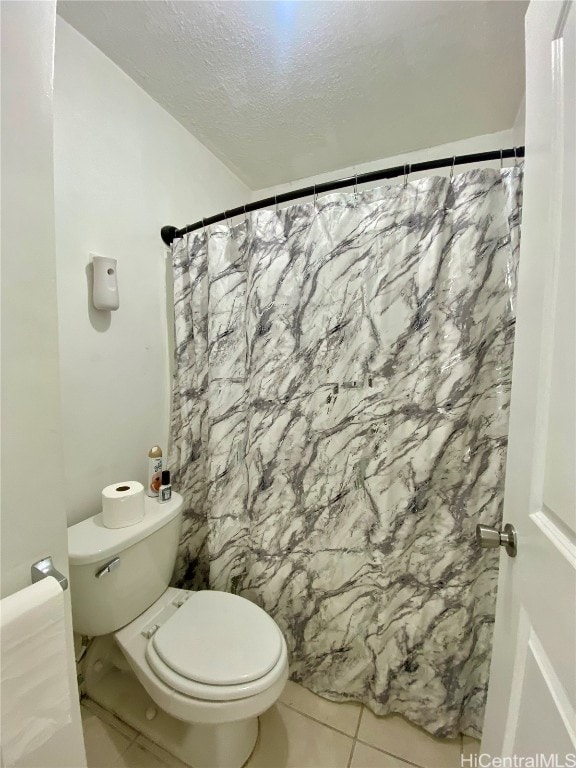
<point x="154" y="470"/>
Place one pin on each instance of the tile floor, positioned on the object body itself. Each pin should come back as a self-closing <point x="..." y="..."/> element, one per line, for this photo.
<point x="301" y="731"/>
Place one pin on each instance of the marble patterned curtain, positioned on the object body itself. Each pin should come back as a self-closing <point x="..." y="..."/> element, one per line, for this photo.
<point x="339" y="427"/>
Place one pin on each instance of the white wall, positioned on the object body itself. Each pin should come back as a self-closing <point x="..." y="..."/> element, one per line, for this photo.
<point x="485" y="143"/>
<point x="123" y="169"/>
<point x="33" y="522"/>
<point x="33" y="517"/>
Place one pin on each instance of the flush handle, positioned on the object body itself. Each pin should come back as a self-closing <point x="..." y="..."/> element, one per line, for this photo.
<point x="490" y="537"/>
<point x="111" y="566"/>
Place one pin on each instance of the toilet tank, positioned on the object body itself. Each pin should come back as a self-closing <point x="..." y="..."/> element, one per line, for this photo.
<point x="117" y="573"/>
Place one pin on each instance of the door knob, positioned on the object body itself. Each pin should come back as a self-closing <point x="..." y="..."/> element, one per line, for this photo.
<point x="490" y="537"/>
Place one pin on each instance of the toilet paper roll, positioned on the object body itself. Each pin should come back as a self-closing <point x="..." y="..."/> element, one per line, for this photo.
<point x="122" y="504"/>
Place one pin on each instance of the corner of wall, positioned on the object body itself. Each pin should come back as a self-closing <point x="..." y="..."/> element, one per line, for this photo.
<point x="519" y="127"/>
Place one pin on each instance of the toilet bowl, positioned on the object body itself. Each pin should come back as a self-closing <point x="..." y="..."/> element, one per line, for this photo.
<point x="243" y="669"/>
<point x="211" y="660"/>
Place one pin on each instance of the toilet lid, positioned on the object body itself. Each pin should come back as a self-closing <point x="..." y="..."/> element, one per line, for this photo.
<point x="219" y="639"/>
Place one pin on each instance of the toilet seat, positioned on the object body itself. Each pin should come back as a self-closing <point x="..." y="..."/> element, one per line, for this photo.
<point x="206" y="692"/>
<point x="199" y="703"/>
<point x="217" y="647"/>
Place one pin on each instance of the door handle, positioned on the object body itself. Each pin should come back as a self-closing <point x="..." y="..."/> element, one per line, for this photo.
<point x="489" y="537"/>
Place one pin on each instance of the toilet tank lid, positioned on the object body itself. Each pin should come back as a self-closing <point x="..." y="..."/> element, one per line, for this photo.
<point x="90" y="541"/>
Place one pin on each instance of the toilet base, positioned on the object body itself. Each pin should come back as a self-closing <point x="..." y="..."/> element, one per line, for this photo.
<point x="113" y="686"/>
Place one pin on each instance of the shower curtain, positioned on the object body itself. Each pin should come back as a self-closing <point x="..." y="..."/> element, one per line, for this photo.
<point x="339" y="427"/>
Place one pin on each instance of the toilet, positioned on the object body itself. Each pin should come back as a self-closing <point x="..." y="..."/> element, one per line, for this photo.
<point x="201" y="665"/>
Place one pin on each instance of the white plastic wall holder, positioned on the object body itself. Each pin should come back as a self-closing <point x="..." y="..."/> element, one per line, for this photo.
<point x="105" y="288"/>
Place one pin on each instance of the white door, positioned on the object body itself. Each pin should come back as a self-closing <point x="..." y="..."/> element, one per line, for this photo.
<point x="531" y="708"/>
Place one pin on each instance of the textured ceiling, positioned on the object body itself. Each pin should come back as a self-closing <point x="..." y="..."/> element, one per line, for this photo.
<point x="282" y="90"/>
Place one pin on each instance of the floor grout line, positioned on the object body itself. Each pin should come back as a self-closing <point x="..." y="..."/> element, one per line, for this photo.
<point x="315" y="719"/>
<point x="355" y="740"/>
<point x="112" y="724"/>
<point x="111" y="720"/>
<point x="362" y="708"/>
<point x="390" y="754"/>
<point x="161" y="760"/>
<point x="351" y="755"/>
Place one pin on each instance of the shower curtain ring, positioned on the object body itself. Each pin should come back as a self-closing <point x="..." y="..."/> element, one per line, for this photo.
<point x="452" y="168"/>
<point x="245" y="217"/>
<point x="407" y="169"/>
<point x="355" y="188"/>
<point x="276" y="203"/>
<point x="501" y="165"/>
<point x="515" y="158"/>
<point x="315" y="197"/>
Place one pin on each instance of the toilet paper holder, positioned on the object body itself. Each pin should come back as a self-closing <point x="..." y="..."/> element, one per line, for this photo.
<point x="45" y="567"/>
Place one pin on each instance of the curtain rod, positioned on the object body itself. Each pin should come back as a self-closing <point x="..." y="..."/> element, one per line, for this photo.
<point x="169" y="234"/>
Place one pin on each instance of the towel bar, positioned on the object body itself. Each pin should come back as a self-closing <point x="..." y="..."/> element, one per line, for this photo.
<point x="45" y="567"/>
